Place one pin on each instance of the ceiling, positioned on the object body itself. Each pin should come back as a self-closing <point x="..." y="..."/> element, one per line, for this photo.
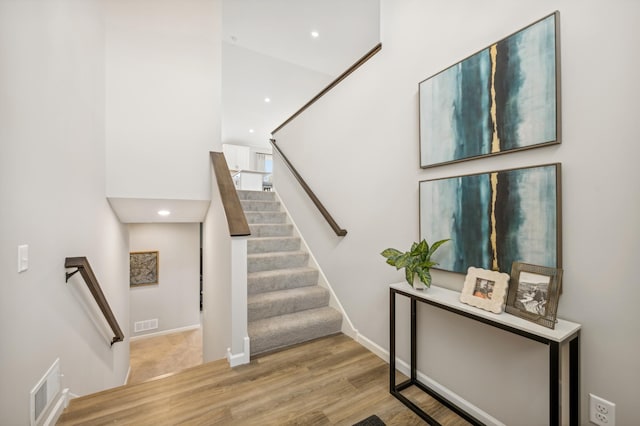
<point x="144" y="210"/>
<point x="268" y="51"/>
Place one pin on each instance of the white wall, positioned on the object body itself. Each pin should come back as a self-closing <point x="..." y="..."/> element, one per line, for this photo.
<point x="216" y="309"/>
<point x="52" y="187"/>
<point x="175" y="300"/>
<point x="163" y="97"/>
<point x="358" y="150"/>
<point x="247" y="78"/>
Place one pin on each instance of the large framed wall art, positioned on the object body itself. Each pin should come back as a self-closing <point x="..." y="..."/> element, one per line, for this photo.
<point x="503" y="98"/>
<point x="494" y="218"/>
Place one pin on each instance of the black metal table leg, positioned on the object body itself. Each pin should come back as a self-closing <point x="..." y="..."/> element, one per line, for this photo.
<point x="554" y="383"/>
<point x="574" y="381"/>
<point x="414" y="344"/>
<point x="392" y="341"/>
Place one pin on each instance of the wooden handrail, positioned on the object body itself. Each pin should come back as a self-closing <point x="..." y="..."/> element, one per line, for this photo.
<point x="336" y="228"/>
<point x="331" y="85"/>
<point x="236" y="220"/>
<point x="83" y="266"/>
<point x="325" y="213"/>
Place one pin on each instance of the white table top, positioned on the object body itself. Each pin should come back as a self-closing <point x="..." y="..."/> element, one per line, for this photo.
<point x="445" y="297"/>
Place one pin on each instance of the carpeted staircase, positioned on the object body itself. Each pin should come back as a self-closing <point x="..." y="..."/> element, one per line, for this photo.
<point x="286" y="304"/>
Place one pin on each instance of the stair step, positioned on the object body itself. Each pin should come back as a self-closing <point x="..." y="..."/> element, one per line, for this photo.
<point x="256" y="195"/>
<point x="281" y="279"/>
<point x="271" y="230"/>
<point x="271" y="244"/>
<point x="283" y="302"/>
<point x="281" y="331"/>
<point x="254" y="217"/>
<point x="280" y="260"/>
<point x="259" y="205"/>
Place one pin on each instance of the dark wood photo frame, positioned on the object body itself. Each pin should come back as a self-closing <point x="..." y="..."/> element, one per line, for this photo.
<point x="534" y="292"/>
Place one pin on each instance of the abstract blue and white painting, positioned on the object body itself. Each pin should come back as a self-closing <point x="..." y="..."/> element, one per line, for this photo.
<point x="500" y="99"/>
<point x="494" y="219"/>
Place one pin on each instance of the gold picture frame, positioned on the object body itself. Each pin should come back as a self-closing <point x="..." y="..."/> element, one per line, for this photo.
<point x="143" y="268"/>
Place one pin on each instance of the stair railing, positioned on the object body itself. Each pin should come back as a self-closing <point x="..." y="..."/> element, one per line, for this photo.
<point x="237" y="221"/>
<point x="82" y="265"/>
<point x="340" y="232"/>
<point x="333" y="84"/>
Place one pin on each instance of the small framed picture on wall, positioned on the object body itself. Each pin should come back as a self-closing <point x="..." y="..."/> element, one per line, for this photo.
<point x="143" y="268"/>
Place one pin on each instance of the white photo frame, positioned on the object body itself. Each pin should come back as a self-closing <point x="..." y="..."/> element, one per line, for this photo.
<point x="485" y="289"/>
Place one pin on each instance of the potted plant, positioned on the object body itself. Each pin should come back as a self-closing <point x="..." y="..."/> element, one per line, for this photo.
<point x="416" y="262"/>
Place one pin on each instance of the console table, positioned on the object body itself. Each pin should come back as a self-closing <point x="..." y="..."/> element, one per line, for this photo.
<point x="564" y="332"/>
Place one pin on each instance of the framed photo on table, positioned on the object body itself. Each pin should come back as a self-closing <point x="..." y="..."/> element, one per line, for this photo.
<point x="534" y="292"/>
<point x="485" y="289"/>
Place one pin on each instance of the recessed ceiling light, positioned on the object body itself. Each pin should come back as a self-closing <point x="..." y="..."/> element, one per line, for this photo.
<point x="267" y="100"/>
<point x="315" y="34"/>
<point x="250" y="130"/>
<point x="164" y="212"/>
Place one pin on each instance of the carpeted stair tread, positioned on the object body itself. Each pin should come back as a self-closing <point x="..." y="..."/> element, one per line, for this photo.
<point x="271" y="244"/>
<point x="259" y="230"/>
<point x="282" y="302"/>
<point x="265" y="217"/>
<point x="260" y="205"/>
<point x="277" y="260"/>
<point x="286" y="305"/>
<point x="256" y="195"/>
<point x="281" y="331"/>
<point x="281" y="279"/>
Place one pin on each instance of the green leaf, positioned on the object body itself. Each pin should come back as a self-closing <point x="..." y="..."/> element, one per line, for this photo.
<point x="427" y="278"/>
<point x="436" y="245"/>
<point x="403" y="260"/>
<point x="408" y="273"/>
<point x="391" y="252"/>
<point x="420" y="248"/>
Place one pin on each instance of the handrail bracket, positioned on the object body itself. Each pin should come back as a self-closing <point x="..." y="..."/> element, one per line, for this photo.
<point x="70" y="274"/>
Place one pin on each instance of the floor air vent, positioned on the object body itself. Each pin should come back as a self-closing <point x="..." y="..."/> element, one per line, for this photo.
<point x="44" y="392"/>
<point x="139" y="326"/>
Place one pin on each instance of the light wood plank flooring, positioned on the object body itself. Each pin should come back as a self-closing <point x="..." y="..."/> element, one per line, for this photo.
<point x="157" y="356"/>
<point x="330" y="381"/>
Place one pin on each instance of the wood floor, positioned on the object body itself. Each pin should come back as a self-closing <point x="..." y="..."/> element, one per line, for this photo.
<point x="157" y="356"/>
<point x="330" y="381"/>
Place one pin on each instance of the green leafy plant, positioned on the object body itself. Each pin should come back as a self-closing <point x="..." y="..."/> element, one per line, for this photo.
<point x="416" y="262"/>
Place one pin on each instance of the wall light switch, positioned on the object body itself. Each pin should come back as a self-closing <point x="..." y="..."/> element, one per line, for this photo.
<point x="23" y="258"/>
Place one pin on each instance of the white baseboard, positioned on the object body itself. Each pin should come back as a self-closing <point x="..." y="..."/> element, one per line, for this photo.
<point x="126" y="378"/>
<point x="347" y="326"/>
<point x="373" y="347"/>
<point x="405" y="369"/>
<point x="242" y="358"/>
<point x="162" y="333"/>
<point x="58" y="407"/>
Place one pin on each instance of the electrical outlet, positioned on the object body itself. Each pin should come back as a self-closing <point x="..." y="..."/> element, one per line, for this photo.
<point x="601" y="411"/>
